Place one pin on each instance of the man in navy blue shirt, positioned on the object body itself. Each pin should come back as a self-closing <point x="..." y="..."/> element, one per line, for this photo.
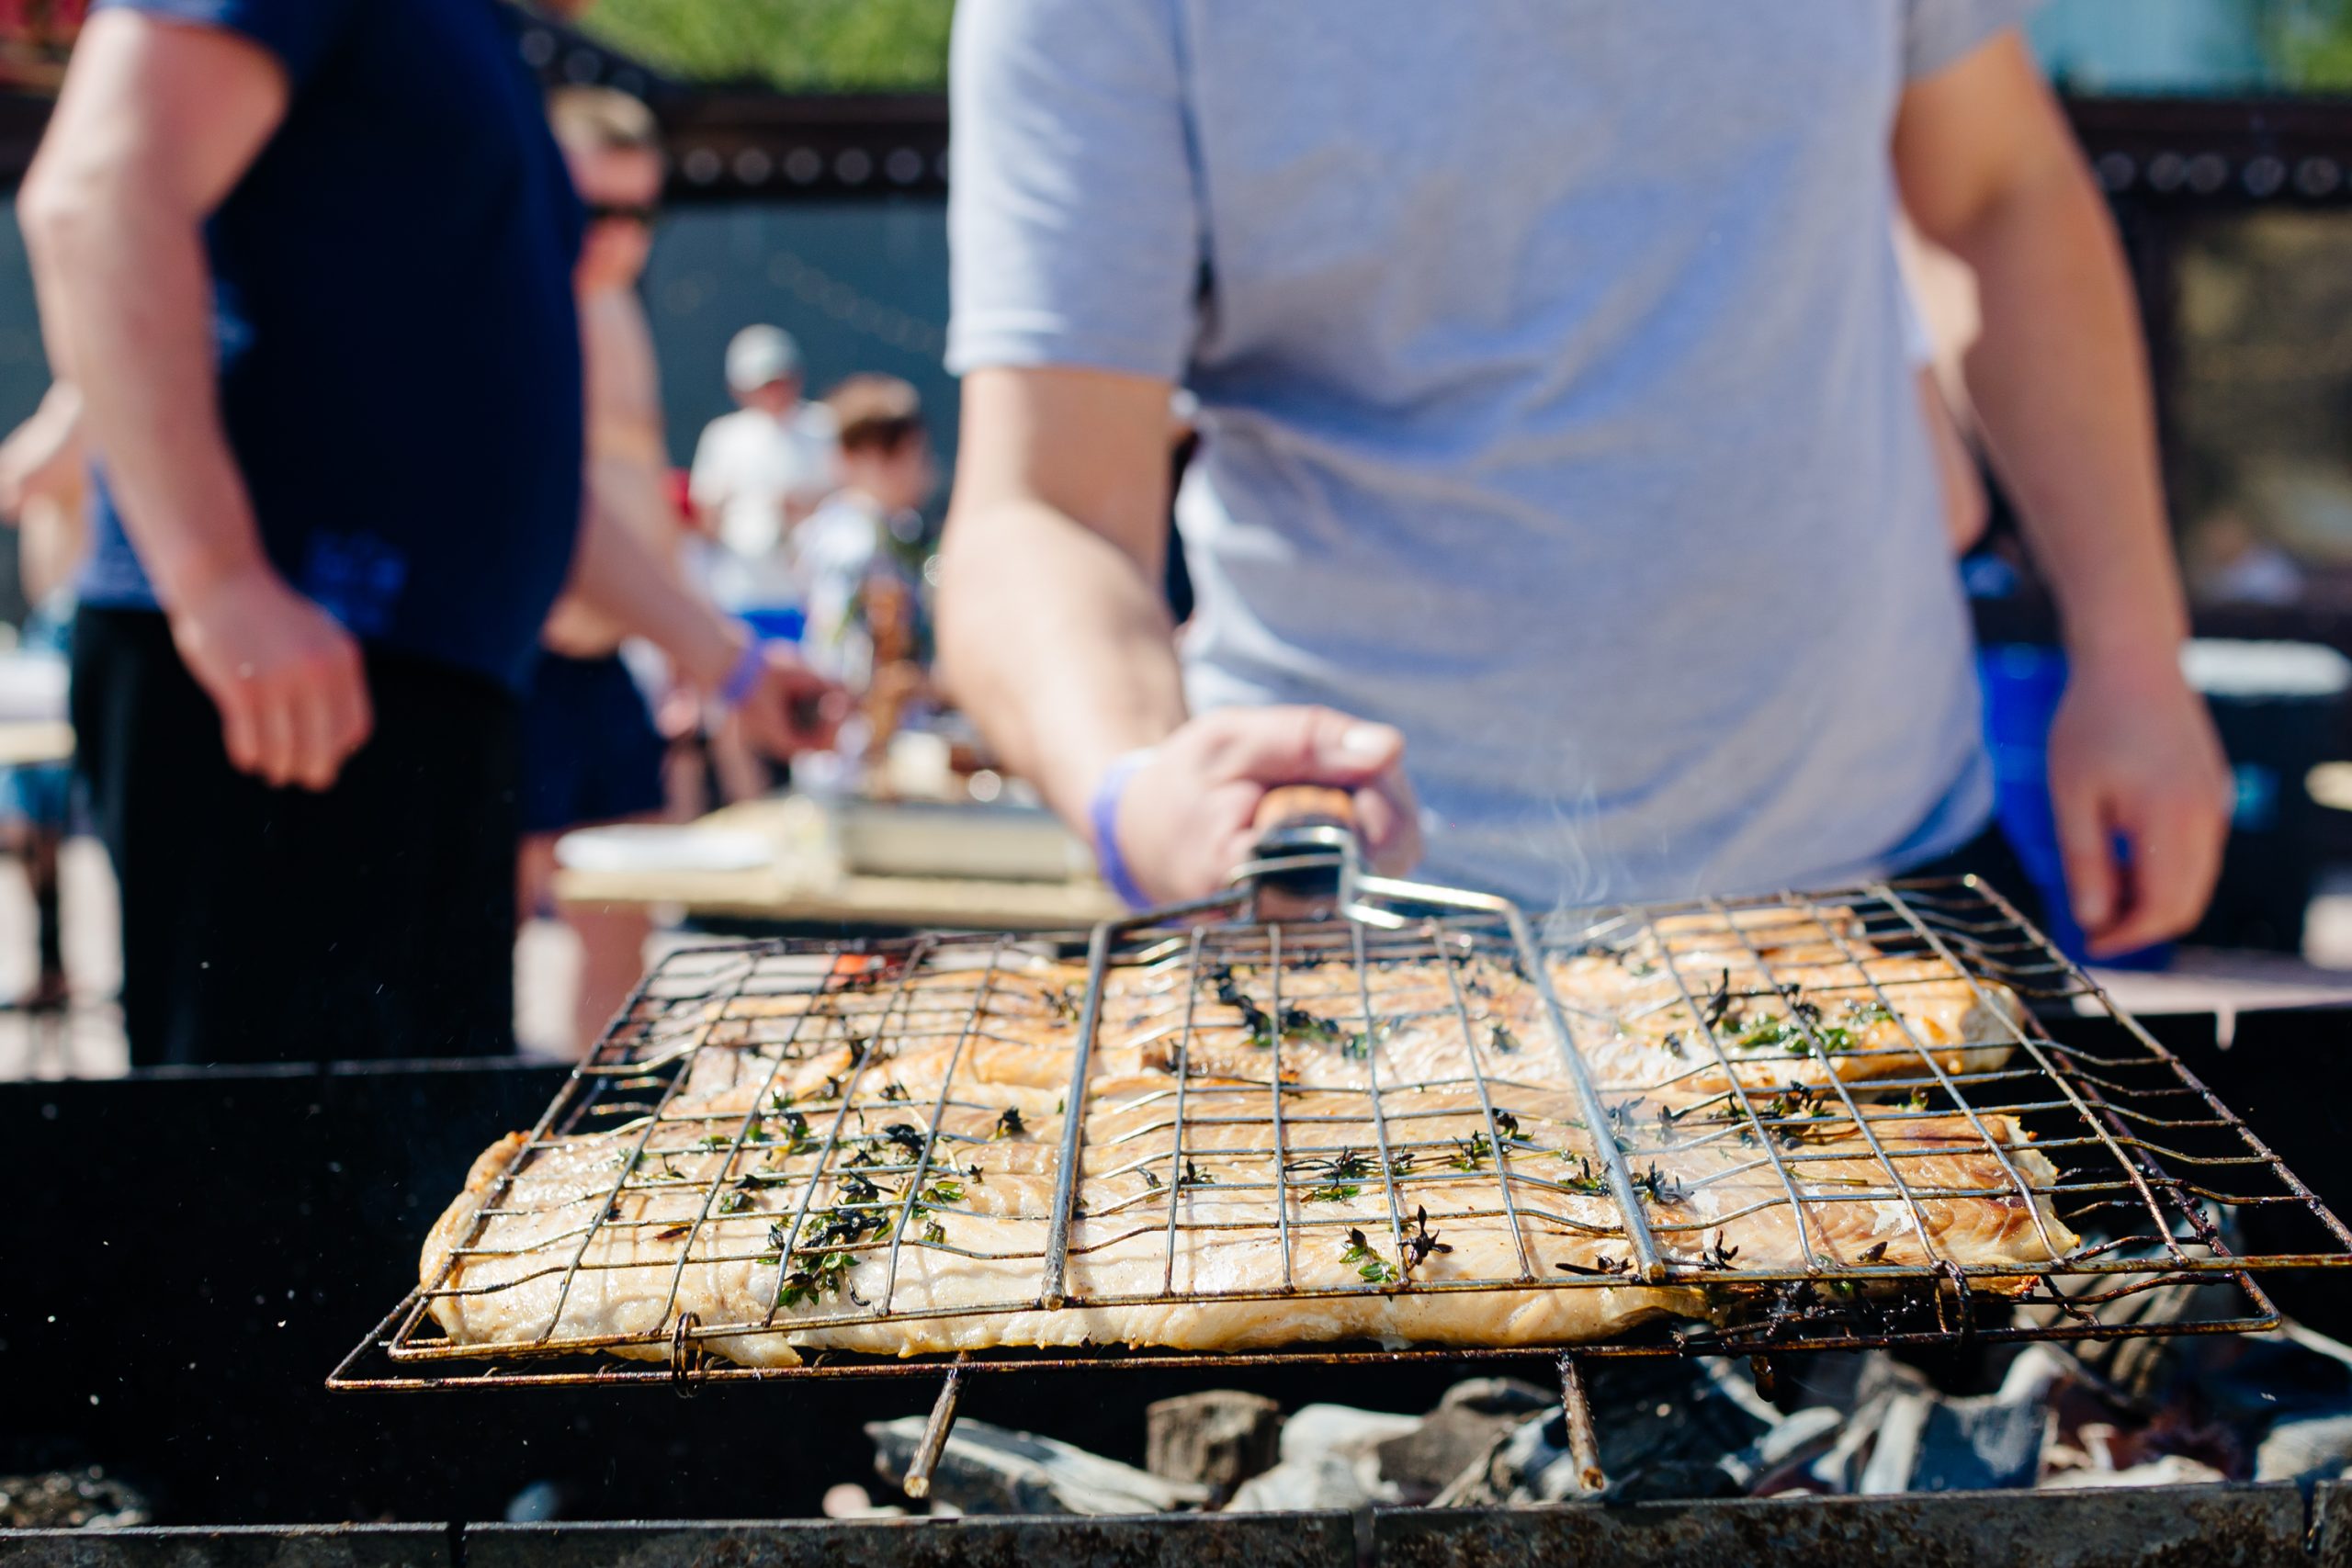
<point x="309" y="263"/>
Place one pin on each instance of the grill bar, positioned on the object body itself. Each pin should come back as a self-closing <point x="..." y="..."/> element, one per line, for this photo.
<point x="2128" y="1148"/>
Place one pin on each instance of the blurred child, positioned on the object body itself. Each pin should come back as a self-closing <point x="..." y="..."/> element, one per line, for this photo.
<point x="861" y="598"/>
<point x="887" y="473"/>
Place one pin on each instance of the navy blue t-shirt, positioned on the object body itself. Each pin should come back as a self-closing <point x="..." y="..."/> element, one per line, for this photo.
<point x="399" y="351"/>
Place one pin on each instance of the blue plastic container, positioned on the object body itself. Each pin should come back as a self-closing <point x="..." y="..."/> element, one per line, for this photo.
<point x="783" y="623"/>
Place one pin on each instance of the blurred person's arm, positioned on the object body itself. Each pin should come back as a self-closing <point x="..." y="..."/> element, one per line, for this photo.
<point x="784" y="706"/>
<point x="156" y="122"/>
<point x="43" y="456"/>
<point x="1990" y="170"/>
<point x="1054" y="637"/>
<point x="627" y="472"/>
<point x="1966" y="507"/>
<point x="706" y="484"/>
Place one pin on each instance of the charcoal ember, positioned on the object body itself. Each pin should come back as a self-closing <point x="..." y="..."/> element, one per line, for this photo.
<point x="1331" y="1458"/>
<point x="1669" y="1429"/>
<point x="989" y="1470"/>
<point x="2169" y="1470"/>
<point x="2306" y="1448"/>
<point x="1219" y="1438"/>
<point x="1925" y="1441"/>
<point x="70" y="1500"/>
<point x="1473" y="1418"/>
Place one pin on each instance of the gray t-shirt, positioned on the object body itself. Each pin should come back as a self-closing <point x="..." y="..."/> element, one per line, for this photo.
<point x="1551" y="370"/>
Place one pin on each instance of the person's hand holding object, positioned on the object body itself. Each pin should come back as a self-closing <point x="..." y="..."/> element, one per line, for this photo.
<point x="2133" y="755"/>
<point x="1184" y="813"/>
<point x="287" y="677"/>
<point x="784" y="706"/>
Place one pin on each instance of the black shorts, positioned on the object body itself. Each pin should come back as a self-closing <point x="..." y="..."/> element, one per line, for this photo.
<point x="376" y="919"/>
<point x="590" y="750"/>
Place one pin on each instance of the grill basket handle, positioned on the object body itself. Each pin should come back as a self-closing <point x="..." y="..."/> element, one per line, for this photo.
<point x="1306" y="806"/>
<point x="1306" y="842"/>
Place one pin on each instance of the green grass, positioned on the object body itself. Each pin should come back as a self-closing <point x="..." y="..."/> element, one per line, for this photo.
<point x="797" y="45"/>
<point x="2310" y="44"/>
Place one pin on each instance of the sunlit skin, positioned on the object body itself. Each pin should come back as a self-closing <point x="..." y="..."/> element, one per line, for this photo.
<point x="613" y="252"/>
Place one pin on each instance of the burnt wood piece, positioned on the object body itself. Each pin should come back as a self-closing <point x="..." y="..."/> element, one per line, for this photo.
<point x="1219" y="1438"/>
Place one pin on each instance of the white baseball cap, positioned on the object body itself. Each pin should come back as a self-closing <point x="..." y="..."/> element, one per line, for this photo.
<point x="759" y="355"/>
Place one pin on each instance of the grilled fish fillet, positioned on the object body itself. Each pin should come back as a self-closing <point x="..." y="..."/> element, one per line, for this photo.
<point x="944" y="1095"/>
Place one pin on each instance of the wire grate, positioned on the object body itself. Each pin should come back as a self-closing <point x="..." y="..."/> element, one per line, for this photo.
<point x="1838" y="1119"/>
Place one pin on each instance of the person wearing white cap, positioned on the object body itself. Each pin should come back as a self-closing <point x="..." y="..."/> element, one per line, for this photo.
<point x="759" y="470"/>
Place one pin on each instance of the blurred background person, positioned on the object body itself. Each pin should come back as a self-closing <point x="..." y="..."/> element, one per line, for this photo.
<point x="325" y="538"/>
<point x="44" y="489"/>
<point x="887" y="473"/>
<point x="760" y="471"/>
<point x="591" y="751"/>
<point x="851" y="557"/>
<point x="756" y="473"/>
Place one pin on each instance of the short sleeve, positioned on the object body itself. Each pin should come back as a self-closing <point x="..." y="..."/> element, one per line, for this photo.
<point x="298" y="32"/>
<point x="1937" y="33"/>
<point x="706" y="482"/>
<point x="1072" y="213"/>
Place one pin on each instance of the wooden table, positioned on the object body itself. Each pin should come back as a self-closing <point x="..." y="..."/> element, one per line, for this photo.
<point x="807" y="884"/>
<point x="27" y="742"/>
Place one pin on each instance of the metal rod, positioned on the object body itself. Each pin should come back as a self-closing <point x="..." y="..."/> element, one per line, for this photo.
<point x="2132" y="1168"/>
<point x="679" y="1035"/>
<point x="934" y="1434"/>
<point x="1274" y="1102"/>
<point x="913" y="1193"/>
<point x="1943" y="1079"/>
<point x="1838" y="1082"/>
<point x="1584" y="1439"/>
<point x="827" y="1154"/>
<point x="1495" y="1138"/>
<point x="1052" y="1291"/>
<point x="1651" y="1266"/>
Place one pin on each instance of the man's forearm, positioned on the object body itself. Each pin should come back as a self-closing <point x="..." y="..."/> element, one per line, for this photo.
<point x="125" y="308"/>
<point x="622" y="577"/>
<point x="1054" y="640"/>
<point x="2062" y="384"/>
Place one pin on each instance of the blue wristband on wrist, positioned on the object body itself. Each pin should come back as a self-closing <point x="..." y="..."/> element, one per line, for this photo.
<point x="1102" y="818"/>
<point x="744" y="676"/>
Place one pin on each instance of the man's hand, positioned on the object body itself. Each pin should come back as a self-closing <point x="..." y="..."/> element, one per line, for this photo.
<point x="287" y="677"/>
<point x="2133" y="755"/>
<point x="791" y="708"/>
<point x="44" y="454"/>
<point x="1186" y="819"/>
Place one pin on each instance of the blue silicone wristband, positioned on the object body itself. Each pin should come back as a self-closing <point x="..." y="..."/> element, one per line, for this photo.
<point x="744" y="676"/>
<point x="1102" y="817"/>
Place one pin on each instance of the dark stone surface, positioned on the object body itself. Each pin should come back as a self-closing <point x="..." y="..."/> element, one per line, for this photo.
<point x="2215" y="1527"/>
<point x="322" y="1546"/>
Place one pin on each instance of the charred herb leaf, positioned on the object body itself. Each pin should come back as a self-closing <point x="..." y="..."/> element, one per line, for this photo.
<point x="828" y="1275"/>
<point x="1344" y="1170"/>
<point x="1473" y="1152"/>
<point x="1659" y="1186"/>
<point x="1369" y="1264"/>
<point x="1423" y="1241"/>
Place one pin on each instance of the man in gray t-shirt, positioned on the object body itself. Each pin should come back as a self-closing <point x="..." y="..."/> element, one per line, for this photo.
<point x="1557" y="426"/>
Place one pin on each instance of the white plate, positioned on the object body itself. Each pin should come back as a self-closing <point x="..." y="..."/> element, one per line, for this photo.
<point x="659" y="846"/>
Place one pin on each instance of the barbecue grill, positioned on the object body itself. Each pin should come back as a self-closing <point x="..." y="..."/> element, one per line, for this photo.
<point x="2150" y="1169"/>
